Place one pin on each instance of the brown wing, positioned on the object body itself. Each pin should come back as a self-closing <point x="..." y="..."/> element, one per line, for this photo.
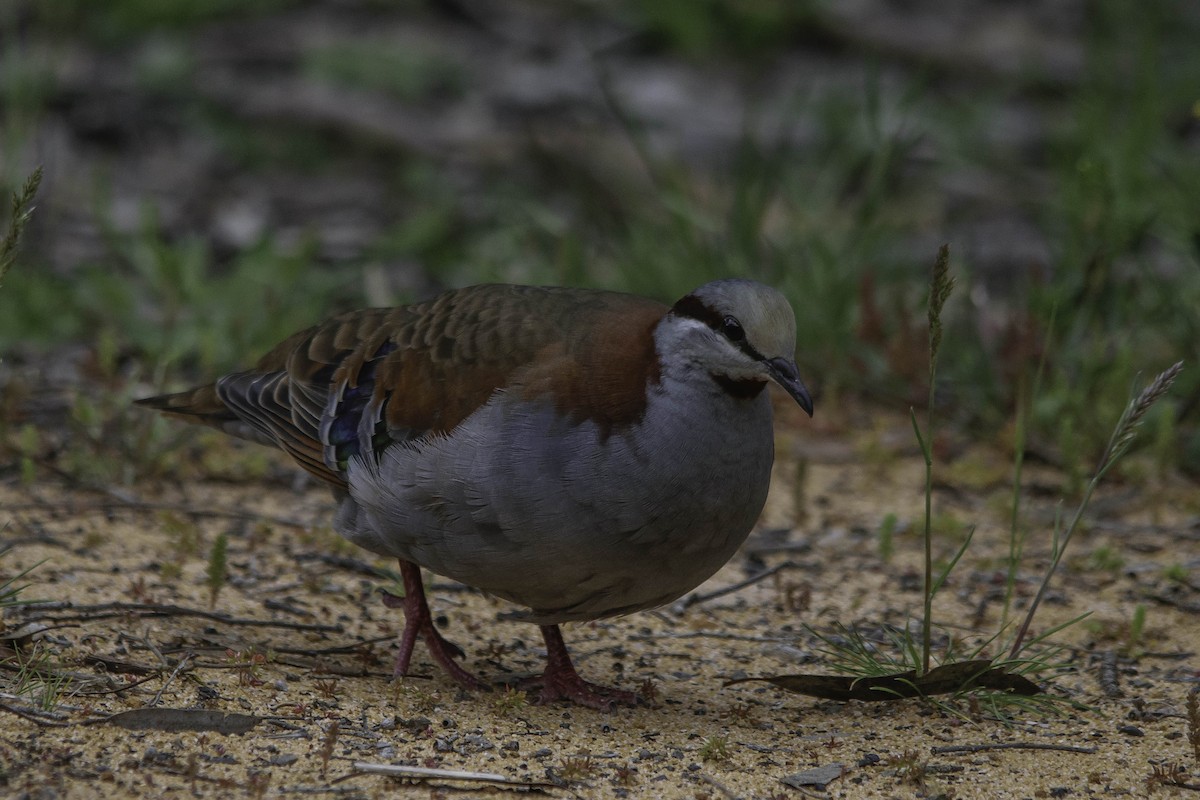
<point x="368" y="378"/>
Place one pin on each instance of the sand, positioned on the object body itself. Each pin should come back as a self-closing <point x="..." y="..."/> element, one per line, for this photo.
<point x="314" y="673"/>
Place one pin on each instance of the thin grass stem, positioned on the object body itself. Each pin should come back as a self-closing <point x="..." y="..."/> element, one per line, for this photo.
<point x="1118" y="444"/>
<point x="940" y="287"/>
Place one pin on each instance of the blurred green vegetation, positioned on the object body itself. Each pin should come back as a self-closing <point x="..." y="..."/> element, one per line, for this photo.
<point x="407" y="74"/>
<point x="116" y="22"/>
<point x="747" y="28"/>
<point x="831" y="224"/>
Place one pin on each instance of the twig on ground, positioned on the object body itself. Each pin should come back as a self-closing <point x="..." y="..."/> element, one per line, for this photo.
<point x="979" y="748"/>
<point x="115" y="690"/>
<point x="119" y="666"/>
<point x="53" y="611"/>
<point x="426" y="773"/>
<point x="170" y="678"/>
<point x="720" y="787"/>
<point x="684" y="603"/>
<point x="740" y="637"/>
<point x="45" y="718"/>
<point x="1110" y="679"/>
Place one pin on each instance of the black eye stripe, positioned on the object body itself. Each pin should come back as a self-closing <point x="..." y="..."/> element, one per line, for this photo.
<point x="695" y="308"/>
<point x="745" y="346"/>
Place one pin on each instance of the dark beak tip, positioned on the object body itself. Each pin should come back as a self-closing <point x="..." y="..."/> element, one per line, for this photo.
<point x="805" y="402"/>
<point x="787" y="376"/>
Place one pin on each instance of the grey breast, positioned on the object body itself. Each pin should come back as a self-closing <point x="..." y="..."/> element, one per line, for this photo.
<point x="520" y="502"/>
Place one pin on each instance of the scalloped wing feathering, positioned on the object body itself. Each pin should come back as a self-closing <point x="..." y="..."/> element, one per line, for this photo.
<point x="368" y="378"/>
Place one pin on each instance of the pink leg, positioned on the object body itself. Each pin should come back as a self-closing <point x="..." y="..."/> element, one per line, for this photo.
<point x="560" y="681"/>
<point x="419" y="622"/>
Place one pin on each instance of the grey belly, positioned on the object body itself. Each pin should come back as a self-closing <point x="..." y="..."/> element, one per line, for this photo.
<point x="545" y="515"/>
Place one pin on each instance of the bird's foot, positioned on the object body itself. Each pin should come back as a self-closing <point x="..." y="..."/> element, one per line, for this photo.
<point x="555" y="686"/>
<point x="444" y="653"/>
<point x="419" y="622"/>
<point x="560" y="681"/>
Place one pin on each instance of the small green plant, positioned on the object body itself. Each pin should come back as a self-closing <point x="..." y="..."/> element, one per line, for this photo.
<point x="53" y="685"/>
<point x="715" y="748"/>
<point x="910" y="768"/>
<point x="1177" y="573"/>
<point x="38" y="678"/>
<point x="11" y="587"/>
<point x="415" y="695"/>
<point x="247" y="665"/>
<point x="1137" y="628"/>
<point x="218" y="570"/>
<point x="1106" y="559"/>
<point x="509" y="702"/>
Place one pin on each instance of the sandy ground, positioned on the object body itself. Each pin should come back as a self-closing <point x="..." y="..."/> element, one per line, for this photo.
<point x="315" y="668"/>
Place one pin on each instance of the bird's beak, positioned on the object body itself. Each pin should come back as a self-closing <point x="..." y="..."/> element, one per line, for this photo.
<point x="785" y="373"/>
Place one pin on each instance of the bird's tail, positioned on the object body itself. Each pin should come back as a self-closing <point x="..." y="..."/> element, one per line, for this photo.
<point x="201" y="405"/>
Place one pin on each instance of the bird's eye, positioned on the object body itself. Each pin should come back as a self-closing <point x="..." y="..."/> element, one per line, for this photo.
<point x="732" y="329"/>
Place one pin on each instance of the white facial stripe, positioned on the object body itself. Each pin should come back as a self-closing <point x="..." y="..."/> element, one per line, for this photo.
<point x="691" y="322"/>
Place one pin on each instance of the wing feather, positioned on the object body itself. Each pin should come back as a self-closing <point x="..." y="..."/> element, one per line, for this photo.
<point x="365" y="379"/>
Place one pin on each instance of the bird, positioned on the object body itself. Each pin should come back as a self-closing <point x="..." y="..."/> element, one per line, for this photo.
<point x="581" y="453"/>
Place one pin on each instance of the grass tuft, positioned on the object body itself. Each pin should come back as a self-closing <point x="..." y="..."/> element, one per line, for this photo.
<point x="11" y="587"/>
<point x="715" y="748"/>
<point x="853" y="654"/>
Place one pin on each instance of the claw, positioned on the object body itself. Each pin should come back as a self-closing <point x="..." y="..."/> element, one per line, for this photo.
<point x="560" y="681"/>
<point x="419" y="622"/>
